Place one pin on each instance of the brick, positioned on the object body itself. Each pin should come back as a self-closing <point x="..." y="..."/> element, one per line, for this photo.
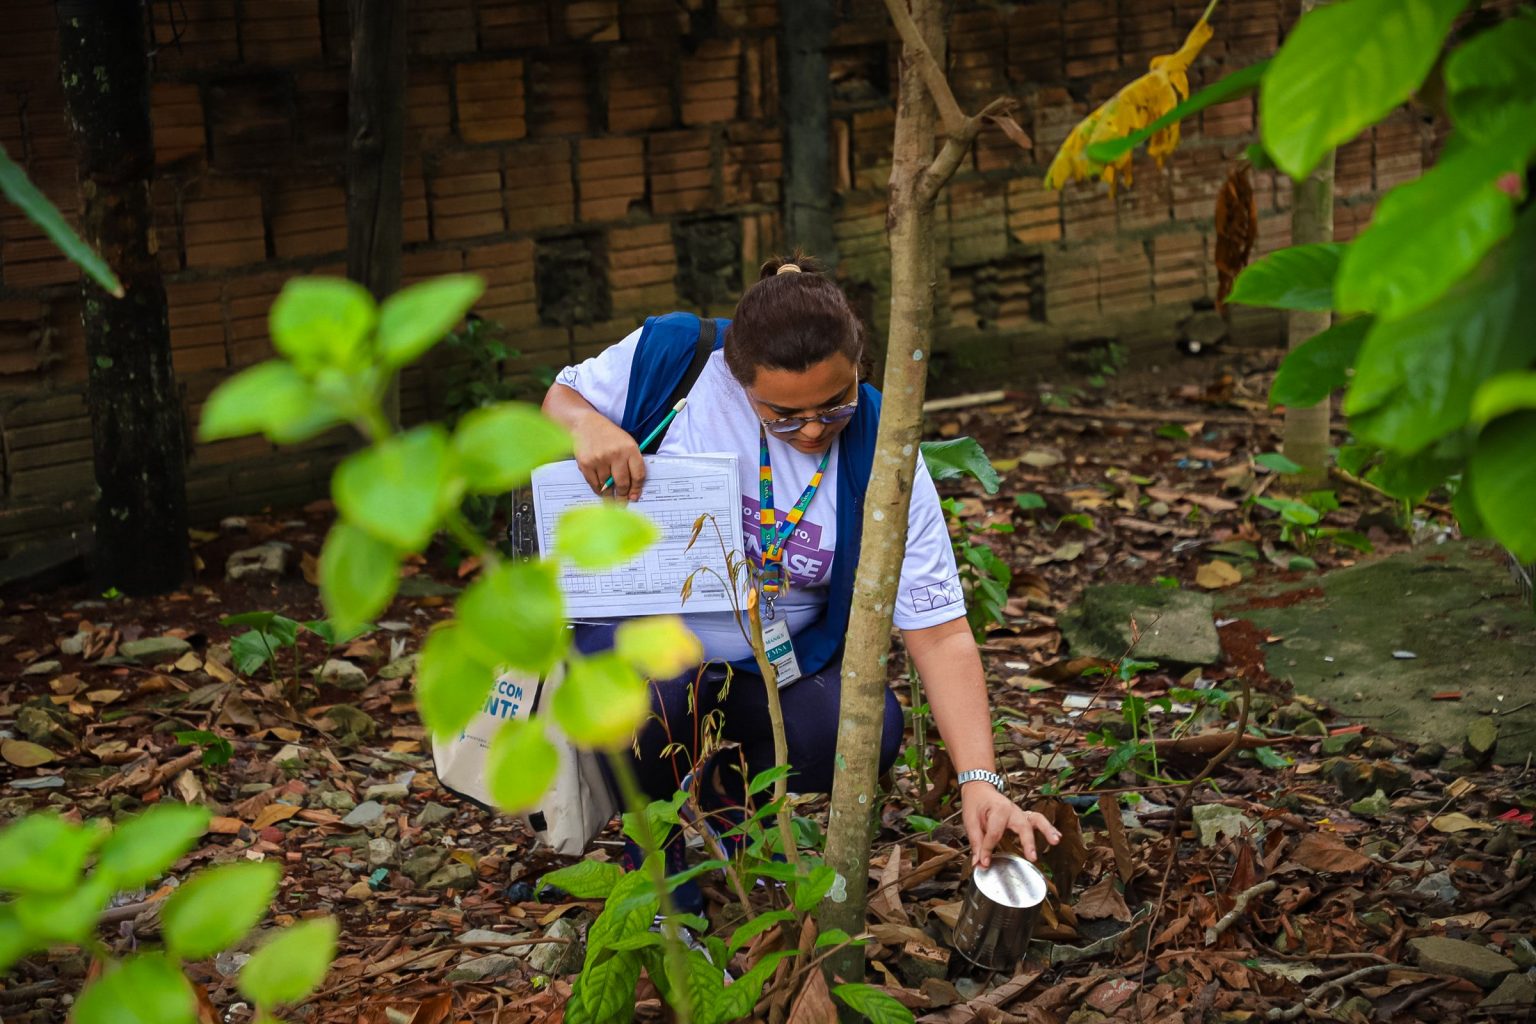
<point x="1179" y="267"/>
<point x="177" y="112"/>
<point x="753" y="165"/>
<point x="280" y="31"/>
<point x="1034" y="42"/>
<point x="1149" y="202"/>
<point x="309" y="221"/>
<point x="440" y="27"/>
<point x="1231" y="119"/>
<point x="1352" y="167"/>
<point x="509" y="297"/>
<point x="611" y="177"/>
<point x="978" y="54"/>
<point x="559" y="100"/>
<point x="1399" y="153"/>
<point x="872" y="134"/>
<point x="639" y="91"/>
<point x="195" y="34"/>
<point x="513" y="24"/>
<point x="681" y="171"/>
<point x="592" y="21"/>
<point x="1125" y="278"/>
<point x="711" y="82"/>
<point x="415" y="221"/>
<point x="539" y="192"/>
<point x="223" y="225"/>
<point x="490" y="100"/>
<point x="1087" y="211"/>
<point x="464" y="194"/>
<point x="978" y="221"/>
<point x="250" y="122"/>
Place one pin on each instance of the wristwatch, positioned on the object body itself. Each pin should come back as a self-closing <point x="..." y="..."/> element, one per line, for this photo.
<point x="982" y="775"/>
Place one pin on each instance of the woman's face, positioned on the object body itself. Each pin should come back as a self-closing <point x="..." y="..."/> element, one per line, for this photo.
<point x="785" y="394"/>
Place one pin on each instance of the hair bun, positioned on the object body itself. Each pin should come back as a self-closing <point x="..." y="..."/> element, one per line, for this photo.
<point x="788" y="268"/>
<point x="799" y="263"/>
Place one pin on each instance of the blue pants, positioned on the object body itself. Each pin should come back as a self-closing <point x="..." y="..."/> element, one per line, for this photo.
<point x="680" y="705"/>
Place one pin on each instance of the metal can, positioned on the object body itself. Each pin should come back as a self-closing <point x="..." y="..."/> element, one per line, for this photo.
<point x="997" y="918"/>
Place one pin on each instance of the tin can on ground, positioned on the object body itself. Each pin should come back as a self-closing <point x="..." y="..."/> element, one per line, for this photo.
<point x="997" y="918"/>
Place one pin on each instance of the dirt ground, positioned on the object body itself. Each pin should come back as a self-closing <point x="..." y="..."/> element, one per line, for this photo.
<point x="1278" y="886"/>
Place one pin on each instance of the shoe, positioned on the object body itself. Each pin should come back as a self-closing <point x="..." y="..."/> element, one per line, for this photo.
<point x="686" y="898"/>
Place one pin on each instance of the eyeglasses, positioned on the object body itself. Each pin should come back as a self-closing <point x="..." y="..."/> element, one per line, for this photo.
<point x="790" y="424"/>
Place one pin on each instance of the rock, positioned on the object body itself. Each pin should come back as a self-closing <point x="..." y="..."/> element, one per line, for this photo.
<point x="1289" y="716"/>
<point x="232" y="523"/>
<point x="389" y="792"/>
<point x="400" y="668"/>
<point x="44" y="668"/>
<point x="1374" y="806"/>
<point x="1438" y="886"/>
<point x="558" y="958"/>
<point x="1515" y="990"/>
<point x="1204" y="330"/>
<point x="1481" y="742"/>
<point x="1356" y="1008"/>
<point x="1311" y="727"/>
<point x="1427" y="755"/>
<point x="485" y="968"/>
<point x="1378" y="746"/>
<point x="342" y="673"/>
<point x="422" y="585"/>
<point x="1523" y="950"/>
<point x="358" y="891"/>
<point x="1357" y="778"/>
<point x="364" y="814"/>
<point x="423" y="863"/>
<point x="154" y="649"/>
<point x="39" y="782"/>
<point x="269" y="559"/>
<point x="381" y="852"/>
<point x="74" y="645"/>
<point x="1176" y="625"/>
<point x="1479" y="964"/>
<point x="433" y="813"/>
<point x="39" y="726"/>
<point x="1052" y="762"/>
<point x="475" y="935"/>
<point x="1212" y="821"/>
<point x="1344" y="743"/>
<point x="453" y="874"/>
<point x="349" y="725"/>
<point x="336" y="800"/>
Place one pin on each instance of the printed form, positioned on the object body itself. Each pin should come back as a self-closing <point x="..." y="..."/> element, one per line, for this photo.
<point x="678" y="489"/>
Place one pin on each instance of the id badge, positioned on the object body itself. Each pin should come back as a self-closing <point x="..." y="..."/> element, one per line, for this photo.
<point x="781" y="651"/>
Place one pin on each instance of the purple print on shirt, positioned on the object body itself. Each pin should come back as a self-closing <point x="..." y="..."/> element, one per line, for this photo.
<point x="807" y="562"/>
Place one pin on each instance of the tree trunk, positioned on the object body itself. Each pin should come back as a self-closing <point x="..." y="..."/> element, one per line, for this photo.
<point x="807" y="29"/>
<point x="1306" y="429"/>
<point x="862" y="715"/>
<point x="137" y="428"/>
<point x="375" y="153"/>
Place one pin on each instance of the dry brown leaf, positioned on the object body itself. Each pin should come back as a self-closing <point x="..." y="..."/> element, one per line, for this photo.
<point x="309" y="565"/>
<point x="1237" y="228"/>
<point x="221" y="826"/>
<point x="274" y="813"/>
<point x="25" y="753"/>
<point x="814" y="1003"/>
<point x="1458" y="822"/>
<point x="886" y="902"/>
<point x="1320" y="852"/>
<point x="1217" y="575"/>
<point x="1102" y="900"/>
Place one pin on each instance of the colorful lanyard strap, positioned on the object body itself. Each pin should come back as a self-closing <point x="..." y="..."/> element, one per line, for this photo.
<point x="774" y="536"/>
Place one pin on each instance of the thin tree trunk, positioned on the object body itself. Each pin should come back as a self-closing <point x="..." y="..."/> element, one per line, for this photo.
<point x="1306" y="429"/>
<point x="862" y="715"/>
<point x="375" y="153"/>
<point x="137" y="428"/>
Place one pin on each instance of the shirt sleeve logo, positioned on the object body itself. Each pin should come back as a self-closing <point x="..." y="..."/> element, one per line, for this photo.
<point x="937" y="595"/>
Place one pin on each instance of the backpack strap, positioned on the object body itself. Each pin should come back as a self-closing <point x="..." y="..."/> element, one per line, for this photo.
<point x="701" y="352"/>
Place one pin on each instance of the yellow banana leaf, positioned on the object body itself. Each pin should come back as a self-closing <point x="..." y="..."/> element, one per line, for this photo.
<point x="1132" y="108"/>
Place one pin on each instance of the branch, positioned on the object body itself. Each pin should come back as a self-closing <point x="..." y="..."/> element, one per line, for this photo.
<point x="951" y="119"/>
<point x="1243" y="899"/>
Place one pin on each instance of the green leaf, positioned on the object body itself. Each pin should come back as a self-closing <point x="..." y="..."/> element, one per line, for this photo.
<point x="146" y="845"/>
<point x="216" y="749"/>
<point x="1503" y="479"/>
<point x="452" y="681"/>
<point x="807" y="892"/>
<point x="44" y="853"/>
<point x="1312" y="370"/>
<point x="521" y="765"/>
<point x="1276" y="463"/>
<point x="251" y="650"/>
<point x="515" y="614"/>
<point x="1412" y="477"/>
<point x="603" y="535"/>
<point x="601" y="702"/>
<point x="923" y="823"/>
<point x="1300" y="277"/>
<point x="959" y="458"/>
<point x="270" y="398"/>
<point x="658" y="646"/>
<point x="1029" y="501"/>
<point x="1429" y="233"/>
<point x="766" y="778"/>
<point x="291" y="965"/>
<point x="1492" y="73"/>
<point x="336" y="635"/>
<point x="630" y="909"/>
<point x="1416" y="376"/>
<point x="67" y="916"/>
<point x="216" y="907"/>
<point x="586" y="879"/>
<point x="414" y="319"/>
<point x="358" y="576"/>
<point x="1238" y="83"/>
<point x="399" y="489"/>
<point x="499" y="446"/>
<point x="1503" y="394"/>
<point x="144" y="989"/>
<point x="873" y="1004"/>
<point x="604" y="992"/>
<point x="756" y="926"/>
<point x="1343" y="68"/>
<point x="323" y="323"/>
<point x="18" y="188"/>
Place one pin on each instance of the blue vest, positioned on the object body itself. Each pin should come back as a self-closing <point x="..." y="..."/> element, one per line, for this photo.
<point x="665" y="351"/>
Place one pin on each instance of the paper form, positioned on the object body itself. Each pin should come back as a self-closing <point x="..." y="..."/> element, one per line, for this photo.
<point x="678" y="489"/>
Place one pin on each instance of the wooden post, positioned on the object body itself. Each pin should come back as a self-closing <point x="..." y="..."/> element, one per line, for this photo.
<point x="137" y="428"/>
<point x="375" y="153"/>
<point x="807" y="89"/>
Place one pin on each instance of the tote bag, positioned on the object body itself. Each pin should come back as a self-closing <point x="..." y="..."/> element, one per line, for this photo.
<point x="580" y="803"/>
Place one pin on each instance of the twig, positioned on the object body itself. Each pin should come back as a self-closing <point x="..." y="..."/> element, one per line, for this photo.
<point x="1343" y="476"/>
<point x="1216" y="930"/>
<point x="950" y="116"/>
<point x="1316" y="995"/>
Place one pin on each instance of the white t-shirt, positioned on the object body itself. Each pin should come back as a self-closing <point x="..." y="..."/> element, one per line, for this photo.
<point x="719" y="417"/>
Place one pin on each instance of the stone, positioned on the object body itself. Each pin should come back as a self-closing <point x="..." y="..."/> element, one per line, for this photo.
<point x="358" y="890"/>
<point x="485" y="968"/>
<point x="453" y="874"/>
<point x="1311" y="727"/>
<point x="1523" y="951"/>
<point x="1213" y="821"/>
<point x="232" y="523"/>
<point x="1357" y="778"/>
<point x="1459" y="958"/>
<point x="343" y="674"/>
<point x="1379" y="922"/>
<point x="1514" y="990"/>
<point x="422" y="585"/>
<point x="43" y="668"/>
<point x="1481" y="742"/>
<point x="39" y="726"/>
<point x="1177" y="626"/>
<point x="1205" y="329"/>
<point x="478" y="935"/>
<point x="433" y="813"/>
<point x="1378" y="746"/>
<point x="349" y="725"/>
<point x="336" y="800"/>
<point x="154" y="649"/>
<point x="400" y="668"/>
<point x="269" y="559"/>
<point x="1343" y="743"/>
<point x="920" y="962"/>
<point x="364" y="814"/>
<point x="1355" y="1008"/>
<point x="1427" y="755"/>
<point x="1374" y="806"/>
<point x="74" y="645"/>
<point x="388" y="792"/>
<point x="558" y="958"/>
<point x="423" y="863"/>
<point x="39" y="782"/>
<point x="1438" y="886"/>
<point x="381" y="852"/>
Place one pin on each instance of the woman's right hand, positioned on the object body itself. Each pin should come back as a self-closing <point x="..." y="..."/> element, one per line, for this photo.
<point x="604" y="449"/>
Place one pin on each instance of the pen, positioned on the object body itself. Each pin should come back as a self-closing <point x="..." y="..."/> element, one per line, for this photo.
<point x="655" y="433"/>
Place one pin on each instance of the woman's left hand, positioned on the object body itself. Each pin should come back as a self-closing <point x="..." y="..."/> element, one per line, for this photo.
<point x="989" y="814"/>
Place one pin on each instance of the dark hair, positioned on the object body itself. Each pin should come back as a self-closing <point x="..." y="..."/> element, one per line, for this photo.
<point x="791" y="321"/>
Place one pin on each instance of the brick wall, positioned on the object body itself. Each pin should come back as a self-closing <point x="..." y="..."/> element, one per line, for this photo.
<point x="601" y="160"/>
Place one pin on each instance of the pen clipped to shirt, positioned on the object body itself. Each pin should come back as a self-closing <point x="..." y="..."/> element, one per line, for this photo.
<point x="668" y="418"/>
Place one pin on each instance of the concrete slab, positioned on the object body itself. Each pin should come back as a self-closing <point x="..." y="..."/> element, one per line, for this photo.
<point x="1347" y="636"/>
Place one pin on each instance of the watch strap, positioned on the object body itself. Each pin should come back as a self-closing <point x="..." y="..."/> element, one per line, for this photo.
<point x="982" y="775"/>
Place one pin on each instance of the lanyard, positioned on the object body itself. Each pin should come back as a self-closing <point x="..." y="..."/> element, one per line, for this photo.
<point x="772" y="535"/>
